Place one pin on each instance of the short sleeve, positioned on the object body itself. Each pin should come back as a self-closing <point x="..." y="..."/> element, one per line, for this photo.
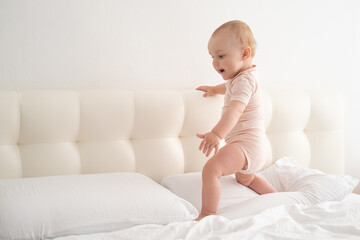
<point x="242" y="89"/>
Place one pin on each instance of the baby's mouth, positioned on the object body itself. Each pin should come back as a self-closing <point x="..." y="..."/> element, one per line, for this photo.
<point x="222" y="70"/>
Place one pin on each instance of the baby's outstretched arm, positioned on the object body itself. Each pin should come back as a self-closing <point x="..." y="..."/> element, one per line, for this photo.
<point x="229" y="118"/>
<point x="227" y="122"/>
<point x="212" y="90"/>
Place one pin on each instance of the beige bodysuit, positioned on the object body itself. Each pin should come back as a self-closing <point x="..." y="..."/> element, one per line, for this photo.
<point x="249" y="131"/>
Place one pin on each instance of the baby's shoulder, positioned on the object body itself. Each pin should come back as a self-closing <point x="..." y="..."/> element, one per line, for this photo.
<point x="243" y="80"/>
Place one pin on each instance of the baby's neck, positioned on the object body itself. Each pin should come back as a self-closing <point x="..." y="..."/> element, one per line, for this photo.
<point x="247" y="64"/>
<point x="246" y="67"/>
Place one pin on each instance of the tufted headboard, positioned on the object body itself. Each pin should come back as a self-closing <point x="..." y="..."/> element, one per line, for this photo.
<point x="56" y="132"/>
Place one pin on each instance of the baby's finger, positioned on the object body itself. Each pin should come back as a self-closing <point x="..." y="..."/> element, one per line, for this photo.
<point x="209" y="151"/>
<point x="202" y="88"/>
<point x="207" y="147"/>
<point x="200" y="135"/>
<point x="204" y="149"/>
<point x="202" y="145"/>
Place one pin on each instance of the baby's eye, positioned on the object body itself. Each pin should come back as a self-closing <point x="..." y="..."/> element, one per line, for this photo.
<point x="221" y="56"/>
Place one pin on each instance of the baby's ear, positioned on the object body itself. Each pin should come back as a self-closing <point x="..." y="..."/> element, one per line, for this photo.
<point x="246" y="53"/>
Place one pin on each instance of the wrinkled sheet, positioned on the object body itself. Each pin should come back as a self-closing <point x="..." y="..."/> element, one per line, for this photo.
<point x="328" y="220"/>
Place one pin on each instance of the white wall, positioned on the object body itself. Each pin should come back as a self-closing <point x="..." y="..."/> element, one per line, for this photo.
<point x="131" y="44"/>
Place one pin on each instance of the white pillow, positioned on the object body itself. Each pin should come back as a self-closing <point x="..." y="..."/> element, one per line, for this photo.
<point x="286" y="176"/>
<point x="295" y="185"/>
<point x="48" y="207"/>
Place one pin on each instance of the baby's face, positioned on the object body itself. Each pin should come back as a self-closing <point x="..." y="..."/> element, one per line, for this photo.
<point x="227" y="55"/>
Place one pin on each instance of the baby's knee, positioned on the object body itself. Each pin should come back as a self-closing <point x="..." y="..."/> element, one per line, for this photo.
<point x="244" y="179"/>
<point x="210" y="169"/>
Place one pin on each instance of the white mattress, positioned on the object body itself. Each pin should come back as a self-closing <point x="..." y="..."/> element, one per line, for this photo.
<point x="328" y="220"/>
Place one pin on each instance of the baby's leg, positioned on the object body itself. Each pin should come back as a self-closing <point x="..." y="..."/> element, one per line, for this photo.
<point x="229" y="160"/>
<point x="256" y="183"/>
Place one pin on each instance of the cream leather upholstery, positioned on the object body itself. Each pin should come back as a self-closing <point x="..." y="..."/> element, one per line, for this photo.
<point x="55" y="132"/>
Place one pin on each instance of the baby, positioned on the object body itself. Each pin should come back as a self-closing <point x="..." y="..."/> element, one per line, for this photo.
<point x="232" y="47"/>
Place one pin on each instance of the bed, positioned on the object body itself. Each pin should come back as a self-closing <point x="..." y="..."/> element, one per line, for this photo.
<point x="114" y="164"/>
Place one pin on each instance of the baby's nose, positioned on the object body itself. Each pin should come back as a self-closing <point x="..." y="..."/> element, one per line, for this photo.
<point x="215" y="63"/>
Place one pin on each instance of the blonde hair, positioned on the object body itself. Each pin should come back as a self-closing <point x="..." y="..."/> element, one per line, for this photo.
<point x="242" y="32"/>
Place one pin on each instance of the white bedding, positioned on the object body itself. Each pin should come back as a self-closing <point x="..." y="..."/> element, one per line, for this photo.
<point x="328" y="220"/>
<point x="294" y="185"/>
<point x="309" y="205"/>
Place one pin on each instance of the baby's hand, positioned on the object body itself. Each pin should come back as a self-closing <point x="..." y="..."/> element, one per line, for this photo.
<point x="209" y="90"/>
<point x="209" y="142"/>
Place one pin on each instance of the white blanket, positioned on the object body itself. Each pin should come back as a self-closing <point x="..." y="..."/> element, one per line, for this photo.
<point x="328" y="220"/>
